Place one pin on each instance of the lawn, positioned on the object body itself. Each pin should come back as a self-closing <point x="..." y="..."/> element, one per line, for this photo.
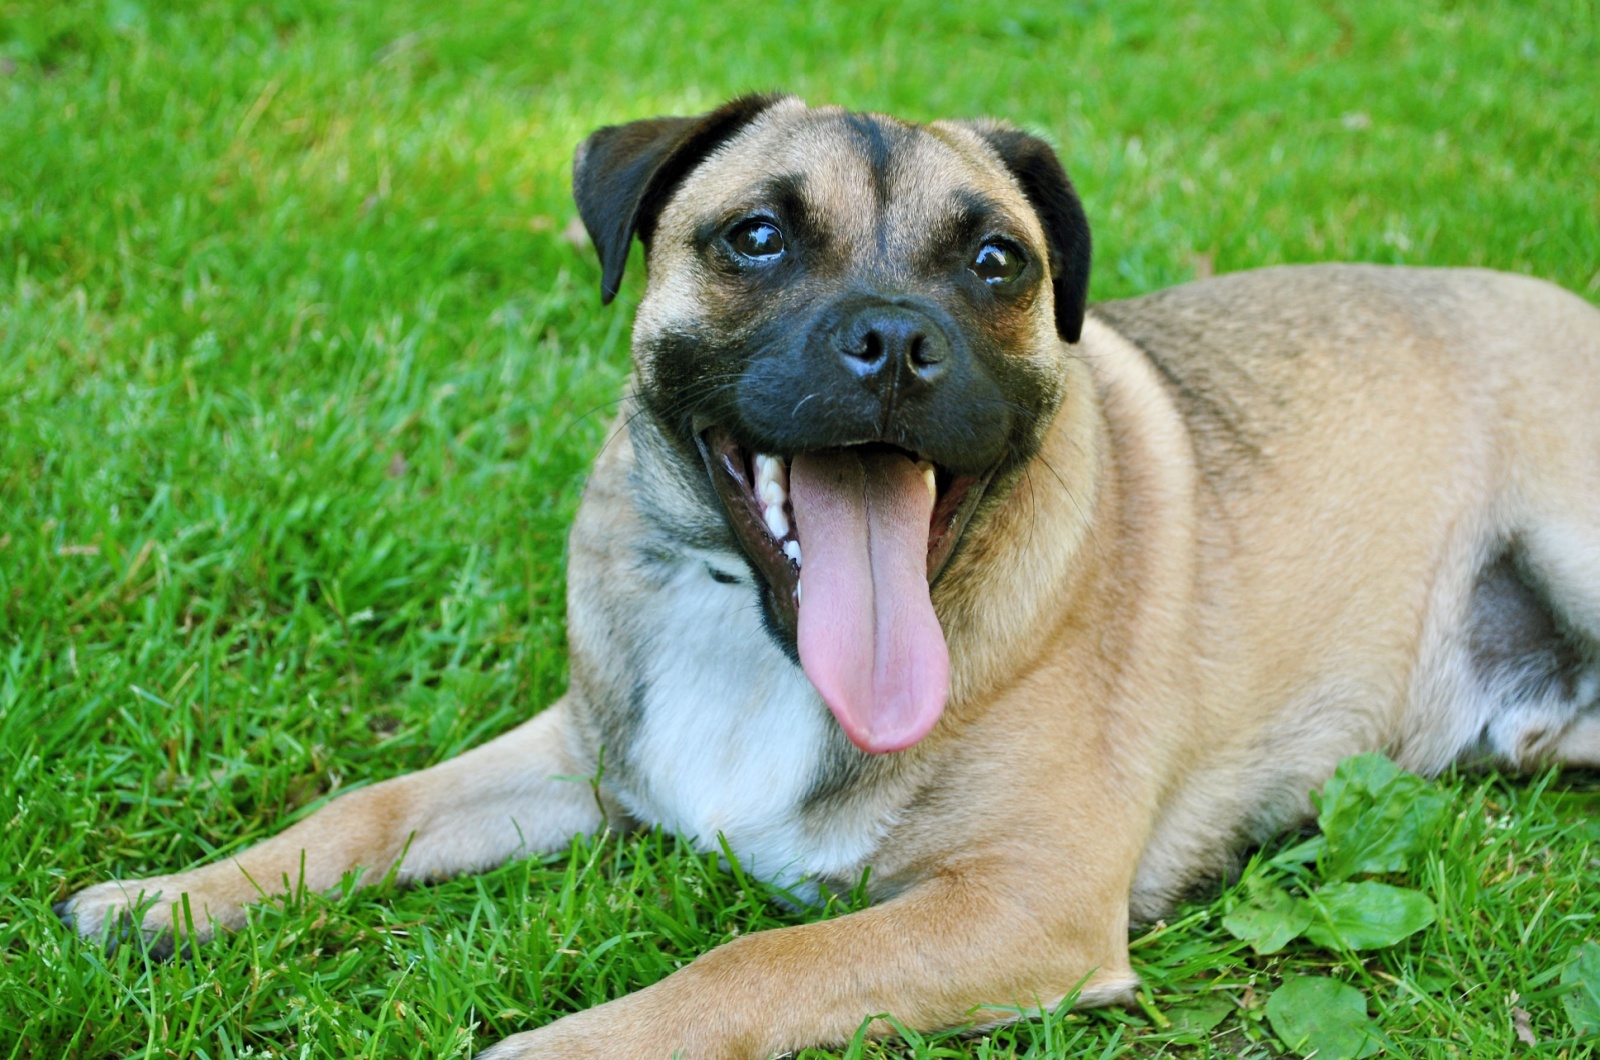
<point x="301" y="365"/>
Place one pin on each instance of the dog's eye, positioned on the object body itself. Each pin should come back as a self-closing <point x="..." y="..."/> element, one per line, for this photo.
<point x="757" y="240"/>
<point x="997" y="263"/>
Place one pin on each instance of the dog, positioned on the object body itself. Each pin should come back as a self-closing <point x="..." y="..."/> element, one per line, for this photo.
<point x="902" y="557"/>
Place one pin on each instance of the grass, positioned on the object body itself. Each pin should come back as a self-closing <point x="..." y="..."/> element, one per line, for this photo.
<point x="299" y="375"/>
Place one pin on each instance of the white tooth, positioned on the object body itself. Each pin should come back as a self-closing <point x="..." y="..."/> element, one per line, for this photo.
<point x="773" y="494"/>
<point x="798" y="592"/>
<point x="777" y="523"/>
<point x="792" y="550"/>
<point x="928" y="477"/>
<point x="766" y="471"/>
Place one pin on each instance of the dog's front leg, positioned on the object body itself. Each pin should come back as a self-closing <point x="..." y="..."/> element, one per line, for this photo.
<point x="512" y="795"/>
<point x="940" y="955"/>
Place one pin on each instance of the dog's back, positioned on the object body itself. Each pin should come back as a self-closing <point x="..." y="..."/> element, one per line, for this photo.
<point x="1399" y="500"/>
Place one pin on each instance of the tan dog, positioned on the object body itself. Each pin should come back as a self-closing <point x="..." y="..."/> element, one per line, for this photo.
<point x="1185" y="551"/>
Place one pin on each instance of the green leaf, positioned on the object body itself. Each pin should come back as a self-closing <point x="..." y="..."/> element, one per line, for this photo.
<point x="1197" y="1018"/>
<point x="1366" y="916"/>
<point x="1301" y="853"/>
<point x="1269" y="921"/>
<point x="1581" y="979"/>
<point x="1311" y="1014"/>
<point x="1375" y="817"/>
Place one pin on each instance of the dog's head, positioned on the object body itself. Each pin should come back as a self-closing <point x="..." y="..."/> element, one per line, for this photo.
<point x="858" y="325"/>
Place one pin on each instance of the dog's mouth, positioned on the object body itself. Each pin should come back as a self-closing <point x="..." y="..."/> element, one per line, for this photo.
<point x="850" y="541"/>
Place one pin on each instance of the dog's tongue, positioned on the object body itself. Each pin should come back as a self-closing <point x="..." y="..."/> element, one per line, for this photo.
<point x="869" y="640"/>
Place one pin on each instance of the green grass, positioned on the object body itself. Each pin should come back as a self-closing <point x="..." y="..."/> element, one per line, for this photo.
<point x="299" y="378"/>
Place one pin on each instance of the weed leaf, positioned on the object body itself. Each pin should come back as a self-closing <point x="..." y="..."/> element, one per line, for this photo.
<point x="1366" y="916"/>
<point x="1375" y="816"/>
<point x="1314" y="1015"/>
<point x="1303" y="853"/>
<point x="1195" y="1019"/>
<point x="1581" y="978"/>
<point x="1270" y="920"/>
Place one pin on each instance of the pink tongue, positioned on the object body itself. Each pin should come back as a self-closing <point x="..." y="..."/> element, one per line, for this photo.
<point x="869" y="640"/>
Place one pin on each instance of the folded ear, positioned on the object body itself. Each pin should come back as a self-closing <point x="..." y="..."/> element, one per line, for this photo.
<point x="623" y="175"/>
<point x="1037" y="169"/>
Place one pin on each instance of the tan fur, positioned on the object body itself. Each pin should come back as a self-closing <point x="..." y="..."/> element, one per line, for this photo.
<point x="1160" y="644"/>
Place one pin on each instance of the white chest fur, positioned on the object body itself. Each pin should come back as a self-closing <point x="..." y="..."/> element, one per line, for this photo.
<point x="733" y="736"/>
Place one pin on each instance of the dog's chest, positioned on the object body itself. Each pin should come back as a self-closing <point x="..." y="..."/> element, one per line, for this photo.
<point x="733" y="739"/>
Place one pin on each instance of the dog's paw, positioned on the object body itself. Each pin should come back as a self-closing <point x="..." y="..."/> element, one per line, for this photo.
<point x="135" y="911"/>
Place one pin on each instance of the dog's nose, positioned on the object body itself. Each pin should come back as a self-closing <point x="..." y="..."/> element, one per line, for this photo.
<point x="884" y="343"/>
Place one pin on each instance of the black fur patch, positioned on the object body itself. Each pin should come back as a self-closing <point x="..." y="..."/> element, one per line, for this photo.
<point x="1516" y="640"/>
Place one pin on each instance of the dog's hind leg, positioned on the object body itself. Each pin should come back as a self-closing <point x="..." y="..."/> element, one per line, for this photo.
<point x="1565" y="557"/>
<point x="510" y="796"/>
<point x="1537" y="617"/>
<point x="1544" y="662"/>
<point x="1560" y="546"/>
<point x="1535" y="673"/>
<point x="1568" y="560"/>
<point x="1579" y="744"/>
<point x="1535" y="641"/>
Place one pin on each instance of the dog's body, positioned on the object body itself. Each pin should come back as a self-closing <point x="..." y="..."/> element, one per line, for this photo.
<point x="1229" y="535"/>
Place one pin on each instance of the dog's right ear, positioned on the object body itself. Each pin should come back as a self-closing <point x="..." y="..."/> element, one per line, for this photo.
<point x="623" y="175"/>
<point x="1035" y="167"/>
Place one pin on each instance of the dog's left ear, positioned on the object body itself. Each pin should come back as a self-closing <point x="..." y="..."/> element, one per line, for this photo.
<point x="623" y="175"/>
<point x="1034" y="165"/>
